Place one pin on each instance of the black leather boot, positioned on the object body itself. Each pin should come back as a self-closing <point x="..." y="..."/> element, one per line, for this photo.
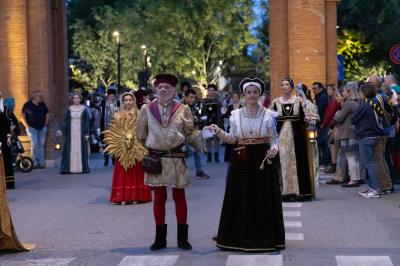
<point x="216" y="157"/>
<point x="161" y="237"/>
<point x="209" y="157"/>
<point x="183" y="237"/>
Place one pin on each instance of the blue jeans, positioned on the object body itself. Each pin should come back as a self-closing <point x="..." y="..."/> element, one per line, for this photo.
<point x="367" y="147"/>
<point x="323" y="147"/>
<point x="197" y="159"/>
<point x="38" y="141"/>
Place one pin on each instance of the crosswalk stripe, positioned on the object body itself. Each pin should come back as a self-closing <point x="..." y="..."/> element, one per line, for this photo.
<point x="291" y="213"/>
<point x="363" y="261"/>
<point x="254" y="260"/>
<point x="292" y="204"/>
<point x="293" y="224"/>
<point x="166" y="260"/>
<point x="294" y="236"/>
<point x="43" y="262"/>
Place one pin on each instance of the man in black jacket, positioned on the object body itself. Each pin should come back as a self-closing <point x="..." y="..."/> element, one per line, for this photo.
<point x="108" y="107"/>
<point x="321" y="101"/>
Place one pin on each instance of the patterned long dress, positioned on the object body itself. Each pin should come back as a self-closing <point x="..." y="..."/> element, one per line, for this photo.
<point x="293" y="147"/>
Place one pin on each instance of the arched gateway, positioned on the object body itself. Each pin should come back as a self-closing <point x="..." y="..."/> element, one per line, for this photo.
<point x="33" y="49"/>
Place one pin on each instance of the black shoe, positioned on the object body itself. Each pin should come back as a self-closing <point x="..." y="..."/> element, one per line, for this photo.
<point x="331" y="169"/>
<point x="202" y="175"/>
<point x="214" y="238"/>
<point x="183" y="237"/>
<point x="209" y="157"/>
<point x="334" y="182"/>
<point x="216" y="157"/>
<point x="355" y="184"/>
<point x="161" y="237"/>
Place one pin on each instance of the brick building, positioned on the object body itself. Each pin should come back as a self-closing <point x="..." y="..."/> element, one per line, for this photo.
<point x="33" y="55"/>
<point x="303" y="41"/>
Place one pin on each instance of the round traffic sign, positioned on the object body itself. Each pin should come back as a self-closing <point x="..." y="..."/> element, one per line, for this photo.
<point x="395" y="54"/>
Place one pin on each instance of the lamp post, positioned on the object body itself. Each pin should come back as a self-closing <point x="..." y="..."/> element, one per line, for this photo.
<point x="145" y="65"/>
<point x="117" y="35"/>
<point x="312" y="136"/>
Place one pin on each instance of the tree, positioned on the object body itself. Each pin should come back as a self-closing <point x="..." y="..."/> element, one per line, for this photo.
<point x="95" y="45"/>
<point x="191" y="38"/>
<point x="377" y="22"/>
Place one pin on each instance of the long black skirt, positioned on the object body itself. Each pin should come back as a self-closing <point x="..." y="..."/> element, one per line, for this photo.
<point x="251" y="217"/>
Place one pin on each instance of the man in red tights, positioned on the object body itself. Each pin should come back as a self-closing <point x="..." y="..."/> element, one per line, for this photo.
<point x="165" y="126"/>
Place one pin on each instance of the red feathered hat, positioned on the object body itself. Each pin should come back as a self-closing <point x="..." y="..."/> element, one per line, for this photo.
<point x="166" y="78"/>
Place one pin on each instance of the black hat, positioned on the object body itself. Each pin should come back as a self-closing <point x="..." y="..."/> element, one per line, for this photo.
<point x="252" y="81"/>
<point x="212" y="86"/>
<point x="111" y="91"/>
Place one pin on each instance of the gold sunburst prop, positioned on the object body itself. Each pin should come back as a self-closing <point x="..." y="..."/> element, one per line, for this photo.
<point x="121" y="140"/>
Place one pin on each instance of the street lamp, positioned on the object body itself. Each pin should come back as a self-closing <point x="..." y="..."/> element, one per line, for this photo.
<point x="312" y="136"/>
<point x="117" y="35"/>
<point x="145" y="66"/>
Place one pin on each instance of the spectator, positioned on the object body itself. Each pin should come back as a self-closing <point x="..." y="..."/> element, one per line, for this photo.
<point x="329" y="122"/>
<point x="8" y="127"/>
<point x="233" y="106"/>
<point x="367" y="133"/>
<point x="348" y="151"/>
<point x="108" y="108"/>
<point x="383" y="160"/>
<point x="211" y="112"/>
<point x="392" y="81"/>
<point x="190" y="100"/>
<point x="35" y="117"/>
<point x="321" y="100"/>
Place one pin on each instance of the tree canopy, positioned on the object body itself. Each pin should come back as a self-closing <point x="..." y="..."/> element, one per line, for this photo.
<point x="196" y="39"/>
<point x="368" y="29"/>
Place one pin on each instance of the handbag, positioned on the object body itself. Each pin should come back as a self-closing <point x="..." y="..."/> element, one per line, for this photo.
<point x="151" y="164"/>
<point x="239" y="154"/>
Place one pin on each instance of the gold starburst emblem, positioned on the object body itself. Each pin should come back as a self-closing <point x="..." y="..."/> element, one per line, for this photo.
<point x="121" y="140"/>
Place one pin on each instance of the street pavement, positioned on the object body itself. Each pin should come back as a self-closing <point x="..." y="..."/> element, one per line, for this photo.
<point x="72" y="222"/>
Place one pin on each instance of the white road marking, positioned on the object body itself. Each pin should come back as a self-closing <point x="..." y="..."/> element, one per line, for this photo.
<point x="254" y="260"/>
<point x="166" y="260"/>
<point x="43" y="262"/>
<point x="294" y="236"/>
<point x="291" y="213"/>
<point x="363" y="261"/>
<point x="292" y="204"/>
<point x="293" y="224"/>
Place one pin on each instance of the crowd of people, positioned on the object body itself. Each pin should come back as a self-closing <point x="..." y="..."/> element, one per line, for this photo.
<point x="149" y="137"/>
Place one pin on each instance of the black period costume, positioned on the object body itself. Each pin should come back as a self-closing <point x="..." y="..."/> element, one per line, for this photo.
<point x="293" y="149"/>
<point x="7" y="118"/>
<point x="251" y="217"/>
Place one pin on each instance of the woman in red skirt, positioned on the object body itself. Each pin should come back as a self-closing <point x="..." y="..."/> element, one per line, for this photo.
<point x="128" y="178"/>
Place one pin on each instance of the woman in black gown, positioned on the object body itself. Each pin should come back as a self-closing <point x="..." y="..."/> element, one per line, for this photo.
<point x="8" y="127"/>
<point x="251" y="217"/>
<point x="293" y="114"/>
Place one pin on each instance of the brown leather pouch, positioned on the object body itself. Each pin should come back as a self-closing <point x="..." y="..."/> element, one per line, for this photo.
<point x="151" y="164"/>
<point x="239" y="154"/>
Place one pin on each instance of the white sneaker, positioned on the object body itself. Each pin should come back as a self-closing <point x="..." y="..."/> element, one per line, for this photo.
<point x="371" y="193"/>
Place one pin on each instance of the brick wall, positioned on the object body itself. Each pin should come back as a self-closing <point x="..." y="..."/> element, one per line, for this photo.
<point x="33" y="55"/>
<point x="303" y="41"/>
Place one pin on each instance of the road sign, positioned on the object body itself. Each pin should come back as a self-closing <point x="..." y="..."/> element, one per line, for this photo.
<point x="395" y="54"/>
